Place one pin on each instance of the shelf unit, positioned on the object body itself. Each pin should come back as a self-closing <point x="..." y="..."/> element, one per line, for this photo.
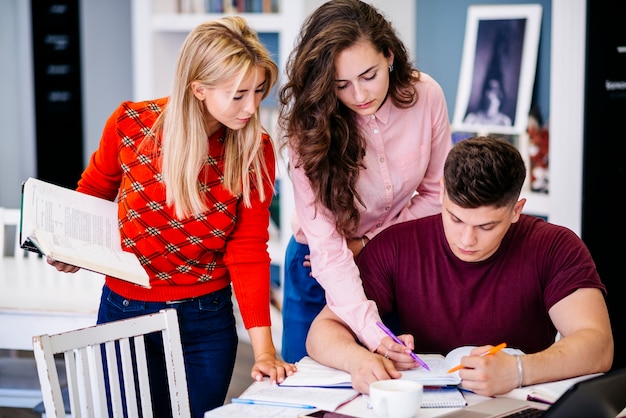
<point x="563" y="204"/>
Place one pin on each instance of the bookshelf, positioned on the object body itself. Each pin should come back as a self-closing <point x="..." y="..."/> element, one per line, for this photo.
<point x="159" y="29"/>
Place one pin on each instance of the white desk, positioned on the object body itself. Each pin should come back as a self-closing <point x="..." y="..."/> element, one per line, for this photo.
<point x="356" y="408"/>
<point x="37" y="299"/>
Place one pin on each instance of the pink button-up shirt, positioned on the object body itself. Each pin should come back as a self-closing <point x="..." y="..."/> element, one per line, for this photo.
<point x="405" y="154"/>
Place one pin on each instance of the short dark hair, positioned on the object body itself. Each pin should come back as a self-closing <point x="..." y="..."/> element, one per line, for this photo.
<point x="484" y="171"/>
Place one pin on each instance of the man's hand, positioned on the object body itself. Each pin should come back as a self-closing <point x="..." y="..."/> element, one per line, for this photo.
<point x="367" y="367"/>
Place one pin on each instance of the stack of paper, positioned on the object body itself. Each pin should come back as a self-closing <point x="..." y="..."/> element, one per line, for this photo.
<point x="322" y="398"/>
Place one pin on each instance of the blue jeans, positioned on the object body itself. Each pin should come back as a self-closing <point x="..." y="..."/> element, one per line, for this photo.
<point x="303" y="299"/>
<point x="209" y="339"/>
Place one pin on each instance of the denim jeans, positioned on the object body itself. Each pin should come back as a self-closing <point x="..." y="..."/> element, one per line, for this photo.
<point x="209" y="339"/>
<point x="303" y="299"/>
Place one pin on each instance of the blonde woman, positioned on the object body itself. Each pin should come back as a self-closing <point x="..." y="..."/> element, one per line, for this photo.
<point x="193" y="174"/>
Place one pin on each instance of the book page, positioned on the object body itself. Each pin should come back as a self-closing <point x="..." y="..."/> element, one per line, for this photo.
<point x="547" y="392"/>
<point x="322" y="398"/>
<point x="438" y="374"/>
<point x="78" y="229"/>
<point x="67" y="213"/>
<point x="314" y="374"/>
<point x="236" y="410"/>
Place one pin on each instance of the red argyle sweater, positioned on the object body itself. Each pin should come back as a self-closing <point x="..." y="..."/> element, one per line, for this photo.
<point x="188" y="257"/>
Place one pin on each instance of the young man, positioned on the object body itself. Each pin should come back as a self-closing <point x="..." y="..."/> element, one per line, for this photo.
<point x="480" y="273"/>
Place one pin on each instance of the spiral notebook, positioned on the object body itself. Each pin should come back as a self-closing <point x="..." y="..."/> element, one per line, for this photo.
<point x="443" y="397"/>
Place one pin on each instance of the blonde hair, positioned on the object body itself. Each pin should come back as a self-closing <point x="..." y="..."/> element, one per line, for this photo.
<point x="213" y="53"/>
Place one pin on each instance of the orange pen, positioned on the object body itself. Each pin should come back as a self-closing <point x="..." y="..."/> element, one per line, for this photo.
<point x="492" y="350"/>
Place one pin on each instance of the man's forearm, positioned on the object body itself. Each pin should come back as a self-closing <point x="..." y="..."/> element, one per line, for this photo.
<point x="330" y="342"/>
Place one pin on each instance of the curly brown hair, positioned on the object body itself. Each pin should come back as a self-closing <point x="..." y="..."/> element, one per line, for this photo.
<point x="322" y="132"/>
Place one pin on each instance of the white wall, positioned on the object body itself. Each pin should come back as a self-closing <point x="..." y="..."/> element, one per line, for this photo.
<point x="106" y="63"/>
<point x="106" y="69"/>
<point x="17" y="145"/>
<point x="401" y="13"/>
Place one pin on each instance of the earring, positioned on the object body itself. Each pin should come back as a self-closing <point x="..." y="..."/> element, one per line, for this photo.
<point x="390" y="67"/>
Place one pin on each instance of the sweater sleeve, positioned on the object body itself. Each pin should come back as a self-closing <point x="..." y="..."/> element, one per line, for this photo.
<point x="247" y="254"/>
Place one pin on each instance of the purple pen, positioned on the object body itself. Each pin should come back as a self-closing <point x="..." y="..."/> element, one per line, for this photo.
<point x="396" y="339"/>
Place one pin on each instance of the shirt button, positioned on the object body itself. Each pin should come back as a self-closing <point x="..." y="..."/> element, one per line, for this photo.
<point x="382" y="159"/>
<point x="387" y="208"/>
<point x="388" y="187"/>
<point x="378" y="225"/>
<point x="376" y="131"/>
<point x="372" y="116"/>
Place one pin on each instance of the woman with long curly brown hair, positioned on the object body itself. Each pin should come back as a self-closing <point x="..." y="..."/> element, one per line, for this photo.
<point x="367" y="136"/>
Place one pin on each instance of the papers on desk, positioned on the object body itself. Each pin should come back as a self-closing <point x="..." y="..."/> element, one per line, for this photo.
<point x="312" y="373"/>
<point x="322" y="398"/>
<point x="235" y="410"/>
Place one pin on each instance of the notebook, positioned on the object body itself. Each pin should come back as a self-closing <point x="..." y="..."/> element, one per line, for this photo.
<point x="443" y="397"/>
<point x="599" y="397"/>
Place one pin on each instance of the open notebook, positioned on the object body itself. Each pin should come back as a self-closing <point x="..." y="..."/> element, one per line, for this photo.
<point x="599" y="397"/>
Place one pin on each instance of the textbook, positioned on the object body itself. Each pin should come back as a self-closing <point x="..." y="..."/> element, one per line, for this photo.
<point x="75" y="228"/>
<point x="312" y="373"/>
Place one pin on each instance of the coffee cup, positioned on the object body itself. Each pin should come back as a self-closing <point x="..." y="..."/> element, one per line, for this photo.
<point x="396" y="398"/>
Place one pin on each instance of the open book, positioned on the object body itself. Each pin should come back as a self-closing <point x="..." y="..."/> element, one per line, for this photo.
<point x="312" y="373"/>
<point x="548" y="392"/>
<point x="76" y="228"/>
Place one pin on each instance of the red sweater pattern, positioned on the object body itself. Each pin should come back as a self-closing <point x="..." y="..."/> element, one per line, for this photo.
<point x="187" y="257"/>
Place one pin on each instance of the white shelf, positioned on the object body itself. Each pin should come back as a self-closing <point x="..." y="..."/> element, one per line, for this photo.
<point x="158" y="34"/>
<point x="176" y="22"/>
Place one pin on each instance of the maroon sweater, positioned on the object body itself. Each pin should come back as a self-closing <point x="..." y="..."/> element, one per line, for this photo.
<point x="444" y="302"/>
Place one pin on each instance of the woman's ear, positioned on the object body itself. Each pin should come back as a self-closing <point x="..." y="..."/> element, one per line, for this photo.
<point x="390" y="58"/>
<point x="198" y="90"/>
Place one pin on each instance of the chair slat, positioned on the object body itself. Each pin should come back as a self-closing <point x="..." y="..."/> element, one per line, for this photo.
<point x="145" y="397"/>
<point x="87" y="350"/>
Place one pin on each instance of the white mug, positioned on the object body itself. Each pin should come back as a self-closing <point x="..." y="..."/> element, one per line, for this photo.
<point x="396" y="398"/>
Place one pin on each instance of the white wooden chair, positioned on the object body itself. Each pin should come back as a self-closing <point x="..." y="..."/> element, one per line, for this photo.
<point x="83" y="355"/>
<point x="19" y="387"/>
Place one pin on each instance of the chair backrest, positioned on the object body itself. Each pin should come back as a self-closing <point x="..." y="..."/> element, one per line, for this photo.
<point x="9" y="232"/>
<point x="84" y="350"/>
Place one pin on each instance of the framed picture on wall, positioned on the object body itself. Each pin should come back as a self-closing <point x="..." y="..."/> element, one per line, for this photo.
<point x="498" y="68"/>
